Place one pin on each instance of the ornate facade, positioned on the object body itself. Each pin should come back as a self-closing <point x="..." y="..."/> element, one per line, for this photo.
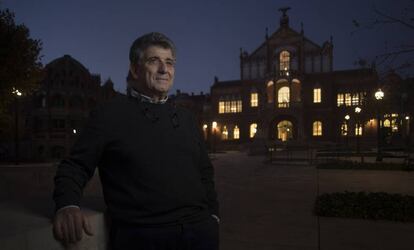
<point x="55" y="113"/>
<point x="289" y="91"/>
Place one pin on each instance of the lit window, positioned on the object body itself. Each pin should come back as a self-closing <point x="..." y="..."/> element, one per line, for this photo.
<point x="284" y="130"/>
<point x="317" y="95"/>
<point x="224" y="133"/>
<point x="230" y="106"/>
<point x="340" y="100"/>
<point x="394" y="125"/>
<point x="239" y="106"/>
<point x="284" y="59"/>
<point x="317" y="128"/>
<point x="233" y="106"/>
<point x="227" y="107"/>
<point x="270" y="91"/>
<point x="253" y="129"/>
<point x="221" y="107"/>
<point x="344" y="129"/>
<point x="358" y="129"/>
<point x="283" y="97"/>
<point x="236" y="133"/>
<point x="347" y="99"/>
<point x="355" y="99"/>
<point x="254" y="99"/>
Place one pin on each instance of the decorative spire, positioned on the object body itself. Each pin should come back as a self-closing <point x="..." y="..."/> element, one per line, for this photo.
<point x="284" y="20"/>
<point x="267" y="33"/>
<point x="301" y="28"/>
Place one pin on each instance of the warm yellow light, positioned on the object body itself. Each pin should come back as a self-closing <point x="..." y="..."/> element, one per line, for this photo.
<point x="358" y="110"/>
<point x="214" y="125"/>
<point x="16" y="92"/>
<point x="407" y="117"/>
<point x="205" y="126"/>
<point x="347" y="117"/>
<point x="379" y="94"/>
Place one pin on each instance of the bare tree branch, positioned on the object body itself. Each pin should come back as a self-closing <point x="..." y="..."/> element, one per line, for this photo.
<point x="394" y="19"/>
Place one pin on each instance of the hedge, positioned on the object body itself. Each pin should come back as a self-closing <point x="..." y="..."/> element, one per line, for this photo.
<point x="373" y="205"/>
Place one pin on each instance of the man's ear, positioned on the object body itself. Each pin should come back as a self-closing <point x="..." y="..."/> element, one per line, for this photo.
<point x="133" y="70"/>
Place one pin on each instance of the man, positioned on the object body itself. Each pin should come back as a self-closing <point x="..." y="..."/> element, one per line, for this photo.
<point x="156" y="176"/>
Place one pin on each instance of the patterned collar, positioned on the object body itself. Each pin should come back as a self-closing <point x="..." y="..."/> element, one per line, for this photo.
<point x="144" y="98"/>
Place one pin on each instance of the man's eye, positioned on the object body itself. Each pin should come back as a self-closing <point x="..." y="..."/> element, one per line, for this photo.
<point x="152" y="60"/>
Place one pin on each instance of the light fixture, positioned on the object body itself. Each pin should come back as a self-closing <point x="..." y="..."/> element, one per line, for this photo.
<point x="347" y="117"/>
<point x="205" y="126"/>
<point x="358" y="110"/>
<point x="379" y="94"/>
<point x="407" y="117"/>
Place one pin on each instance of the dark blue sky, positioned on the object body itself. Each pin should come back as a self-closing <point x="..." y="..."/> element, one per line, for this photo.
<point x="208" y="34"/>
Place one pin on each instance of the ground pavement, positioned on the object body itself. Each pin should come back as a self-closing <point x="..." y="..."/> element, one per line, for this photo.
<point x="270" y="206"/>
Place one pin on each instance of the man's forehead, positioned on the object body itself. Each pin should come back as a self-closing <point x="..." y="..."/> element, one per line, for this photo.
<point x="158" y="51"/>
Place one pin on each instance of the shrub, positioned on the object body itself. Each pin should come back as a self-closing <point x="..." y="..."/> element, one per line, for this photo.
<point x="375" y="206"/>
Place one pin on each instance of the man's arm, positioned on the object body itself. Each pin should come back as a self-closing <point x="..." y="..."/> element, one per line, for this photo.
<point x="72" y="175"/>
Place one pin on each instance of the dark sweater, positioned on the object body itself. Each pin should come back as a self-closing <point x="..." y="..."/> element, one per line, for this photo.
<point x="152" y="162"/>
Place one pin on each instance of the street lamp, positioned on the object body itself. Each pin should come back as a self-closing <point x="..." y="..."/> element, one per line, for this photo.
<point x="379" y="95"/>
<point x="358" y="131"/>
<point x="214" y="127"/>
<point x="16" y="94"/>
<point x="347" y="117"/>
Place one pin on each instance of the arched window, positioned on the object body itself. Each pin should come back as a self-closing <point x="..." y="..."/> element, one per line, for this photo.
<point x="358" y="129"/>
<point x="224" y="133"/>
<point x="344" y="129"/>
<point x="270" y="91"/>
<point x="236" y="133"/>
<point x="284" y="59"/>
<point x="283" y="97"/>
<point x="284" y="130"/>
<point x="317" y="128"/>
<point x="253" y="129"/>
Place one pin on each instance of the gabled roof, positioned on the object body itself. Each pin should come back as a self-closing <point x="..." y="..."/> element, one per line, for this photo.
<point x="67" y="60"/>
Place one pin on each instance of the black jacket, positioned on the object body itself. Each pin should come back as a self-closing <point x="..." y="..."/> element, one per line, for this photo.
<point x="152" y="162"/>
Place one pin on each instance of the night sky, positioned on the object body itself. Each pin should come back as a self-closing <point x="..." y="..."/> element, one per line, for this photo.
<point x="208" y="34"/>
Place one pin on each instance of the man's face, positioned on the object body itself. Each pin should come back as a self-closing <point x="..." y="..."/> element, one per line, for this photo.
<point x="154" y="74"/>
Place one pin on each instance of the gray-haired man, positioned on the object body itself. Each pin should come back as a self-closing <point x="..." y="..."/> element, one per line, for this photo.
<point x="156" y="176"/>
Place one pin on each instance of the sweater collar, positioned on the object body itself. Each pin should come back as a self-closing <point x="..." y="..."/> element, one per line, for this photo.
<point x="143" y="98"/>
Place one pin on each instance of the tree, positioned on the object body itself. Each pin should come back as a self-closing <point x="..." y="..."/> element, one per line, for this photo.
<point x="389" y="59"/>
<point x="20" y="66"/>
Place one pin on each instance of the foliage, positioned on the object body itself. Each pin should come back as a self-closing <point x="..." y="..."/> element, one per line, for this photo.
<point x="374" y="206"/>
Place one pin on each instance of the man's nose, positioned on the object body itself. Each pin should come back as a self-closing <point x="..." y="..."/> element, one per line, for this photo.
<point x="162" y="67"/>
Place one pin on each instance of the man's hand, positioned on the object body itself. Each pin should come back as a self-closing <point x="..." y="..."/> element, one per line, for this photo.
<point x="69" y="223"/>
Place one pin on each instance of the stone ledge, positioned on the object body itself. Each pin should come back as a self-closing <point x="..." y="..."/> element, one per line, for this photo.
<point x="27" y="225"/>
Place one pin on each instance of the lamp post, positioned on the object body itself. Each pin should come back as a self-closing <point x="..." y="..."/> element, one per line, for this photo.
<point x="379" y="95"/>
<point x="357" y="112"/>
<point x="214" y="127"/>
<point x="16" y="94"/>
<point x="347" y="117"/>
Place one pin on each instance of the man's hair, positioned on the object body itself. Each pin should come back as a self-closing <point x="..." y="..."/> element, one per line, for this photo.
<point x="147" y="40"/>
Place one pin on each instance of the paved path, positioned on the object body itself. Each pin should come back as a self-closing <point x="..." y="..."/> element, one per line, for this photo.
<point x="267" y="207"/>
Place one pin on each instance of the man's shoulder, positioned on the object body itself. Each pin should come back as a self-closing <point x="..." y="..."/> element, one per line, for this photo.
<point x="113" y="105"/>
